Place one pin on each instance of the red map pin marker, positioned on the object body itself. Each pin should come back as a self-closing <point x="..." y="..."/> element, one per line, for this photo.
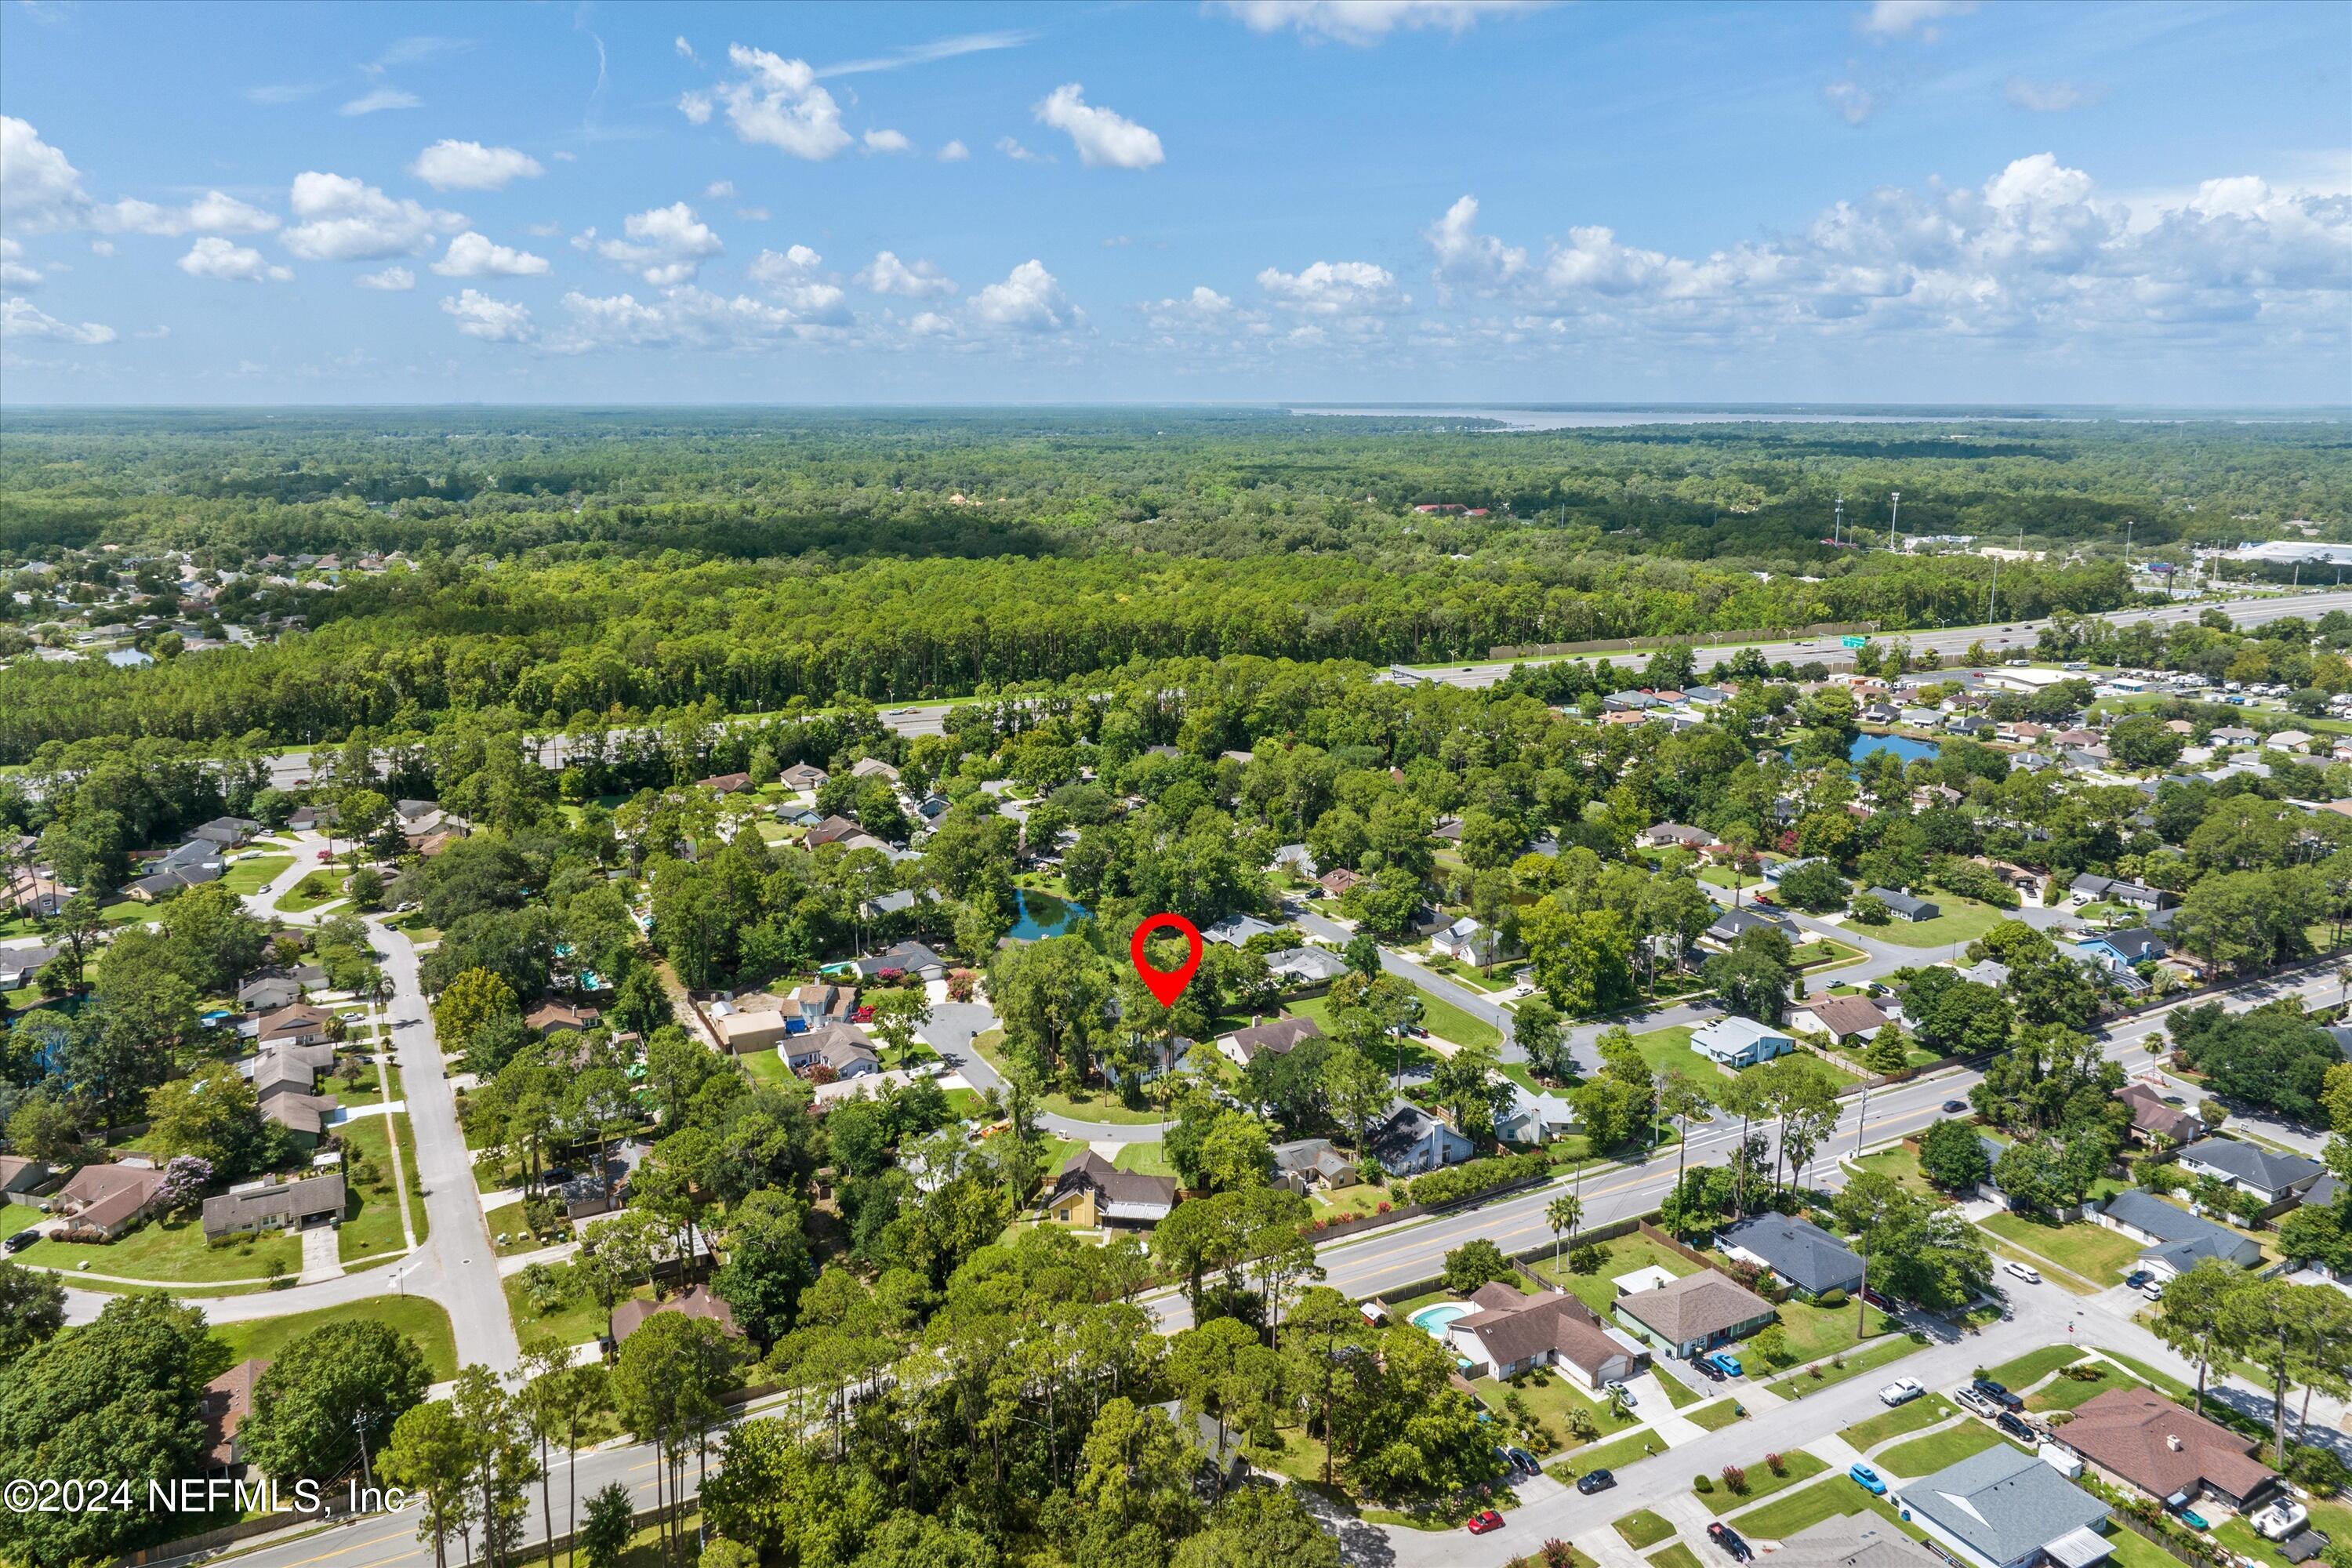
<point x="1166" y="984"/>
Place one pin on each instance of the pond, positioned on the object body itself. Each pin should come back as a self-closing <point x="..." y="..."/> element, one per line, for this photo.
<point x="1907" y="751"/>
<point x="1043" y="914"/>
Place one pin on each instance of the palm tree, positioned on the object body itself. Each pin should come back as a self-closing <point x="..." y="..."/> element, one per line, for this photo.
<point x="1562" y="1213"/>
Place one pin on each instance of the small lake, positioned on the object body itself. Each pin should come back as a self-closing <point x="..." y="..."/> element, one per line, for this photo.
<point x="1043" y="914"/>
<point x="1907" y="751"/>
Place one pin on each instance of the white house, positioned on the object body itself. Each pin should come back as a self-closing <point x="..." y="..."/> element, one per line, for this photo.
<point x="1738" y="1042"/>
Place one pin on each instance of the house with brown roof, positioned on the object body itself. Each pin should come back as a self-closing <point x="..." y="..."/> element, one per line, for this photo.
<point x="725" y="784"/>
<point x="1841" y="1018"/>
<point x="228" y="1400"/>
<point x="1511" y="1333"/>
<point x="1089" y="1191"/>
<point x="554" y="1016"/>
<point x="306" y="1205"/>
<point x="1695" y="1313"/>
<point x="1277" y="1037"/>
<point x="2138" y="1436"/>
<point x="699" y="1302"/>
<point x="285" y="1084"/>
<point x="109" y="1199"/>
<point x="302" y="1025"/>
<point x="802" y="775"/>
<point x="2152" y="1116"/>
<point x="21" y="1173"/>
<point x="746" y="1030"/>
<point x="1336" y="882"/>
<point x="831" y="830"/>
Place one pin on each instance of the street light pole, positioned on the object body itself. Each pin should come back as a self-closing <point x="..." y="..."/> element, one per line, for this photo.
<point x="1893" y="511"/>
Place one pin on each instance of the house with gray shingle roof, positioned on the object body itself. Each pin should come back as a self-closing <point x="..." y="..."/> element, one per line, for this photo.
<point x="2007" y="1508"/>
<point x="2271" y="1175"/>
<point x="1797" y="1250"/>
<point x="2176" y="1240"/>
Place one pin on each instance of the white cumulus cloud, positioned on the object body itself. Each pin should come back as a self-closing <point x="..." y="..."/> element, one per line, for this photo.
<point x="1366" y="21"/>
<point x="230" y="262"/>
<point x="795" y="278"/>
<point x="40" y="188"/>
<point x="449" y="166"/>
<point x="1334" y="289"/>
<point x="392" y="279"/>
<point x="20" y="318"/>
<point x="213" y="212"/>
<point x="666" y="245"/>
<point x="954" y="153"/>
<point x="472" y="255"/>
<point x="776" y="102"/>
<point x="888" y="141"/>
<point x="1905" y="19"/>
<point x="1030" y="300"/>
<point x="346" y="219"/>
<point x="496" y="321"/>
<point x="16" y="272"/>
<point x="1105" y="140"/>
<point x="913" y="280"/>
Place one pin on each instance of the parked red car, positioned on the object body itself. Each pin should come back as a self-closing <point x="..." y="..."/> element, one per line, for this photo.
<point x="1484" y="1520"/>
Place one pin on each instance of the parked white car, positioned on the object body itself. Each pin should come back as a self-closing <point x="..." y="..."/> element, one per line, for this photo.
<point x="1619" y="1391"/>
<point x="2024" y="1271"/>
<point x="1902" y="1391"/>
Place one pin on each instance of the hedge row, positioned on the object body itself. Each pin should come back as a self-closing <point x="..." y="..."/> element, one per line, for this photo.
<point x="1467" y="1180"/>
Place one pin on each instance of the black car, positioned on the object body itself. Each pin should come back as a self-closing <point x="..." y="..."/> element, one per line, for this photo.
<point x="1954" y="1107"/>
<point x="1707" y="1369"/>
<point x="1723" y="1535"/>
<point x="22" y="1240"/>
<point x="1595" y="1481"/>
<point x="1998" y="1394"/>
<point x="2014" y="1427"/>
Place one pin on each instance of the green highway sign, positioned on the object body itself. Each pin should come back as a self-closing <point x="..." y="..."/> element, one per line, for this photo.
<point x="1856" y="642"/>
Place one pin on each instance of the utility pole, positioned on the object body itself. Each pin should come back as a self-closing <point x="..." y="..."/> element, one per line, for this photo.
<point x="2127" y="533"/>
<point x="1893" y="511"/>
<point x="1837" y="524"/>
<point x="1992" y="594"/>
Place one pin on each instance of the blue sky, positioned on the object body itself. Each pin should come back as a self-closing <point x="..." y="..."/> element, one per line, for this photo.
<point x="1433" y="200"/>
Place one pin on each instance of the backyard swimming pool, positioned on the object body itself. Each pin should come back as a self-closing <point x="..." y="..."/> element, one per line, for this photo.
<point x="1434" y="1321"/>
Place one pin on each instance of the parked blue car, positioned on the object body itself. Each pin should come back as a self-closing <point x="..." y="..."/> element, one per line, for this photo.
<point x="1726" y="1363"/>
<point x="1867" y="1479"/>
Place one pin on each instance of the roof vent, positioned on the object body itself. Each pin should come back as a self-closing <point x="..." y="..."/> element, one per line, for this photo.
<point x="2172" y="1441"/>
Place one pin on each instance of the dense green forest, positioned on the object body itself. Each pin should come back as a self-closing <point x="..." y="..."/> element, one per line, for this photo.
<point x="571" y="565"/>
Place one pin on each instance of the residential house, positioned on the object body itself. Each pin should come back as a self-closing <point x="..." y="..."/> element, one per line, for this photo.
<point x="831" y="830"/>
<point x="2005" y="1508"/>
<point x="1304" y="968"/>
<point x="228" y="1400"/>
<point x="1695" y="1313"/>
<point x="1775" y="870"/>
<point x="848" y="1050"/>
<point x="1796" y="1250"/>
<point x="2087" y="888"/>
<point x="1844" y="1018"/>
<point x="1628" y="702"/>
<point x="1409" y="1142"/>
<point x="1089" y="1191"/>
<point x="2176" y="1240"/>
<point x="1309" y="1164"/>
<point x="308" y="818"/>
<point x="22" y="1175"/>
<point x="1512" y="1333"/>
<point x="1904" y="907"/>
<point x="1534" y="1118"/>
<point x="554" y="1016"/>
<point x="1675" y="835"/>
<point x="2137" y="1437"/>
<point x="746" y="1030"/>
<point x="1336" y="882"/>
<point x="725" y="784"/>
<point x="268" y="991"/>
<point x="227" y="832"/>
<point x="297" y="1026"/>
<point x="873" y="768"/>
<point x="904" y="958"/>
<point x="1278" y="1037"/>
<point x="699" y="1302"/>
<point x="304" y="1204"/>
<point x="2274" y="1177"/>
<point x="109" y="1199"/>
<point x="1855" y="1540"/>
<point x="18" y="965"/>
<point x="802" y="776"/>
<point x="284" y="1085"/>
<point x="1236" y="930"/>
<point x="2115" y="952"/>
<point x="1731" y="923"/>
<point x="1467" y="942"/>
<point x="818" y="1001"/>
<point x="1736" y="1042"/>
<point x="2152" y="1116"/>
<point x="1987" y="972"/>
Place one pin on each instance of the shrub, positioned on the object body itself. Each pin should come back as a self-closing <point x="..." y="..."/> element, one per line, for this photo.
<point x="1777" y="1462"/>
<point x="1814" y="1370"/>
<point x="1833" y="1297"/>
<point x="1558" y="1553"/>
<point x="1587" y="1260"/>
<point x="1735" y="1480"/>
<point x="1457" y="1183"/>
<point x="1702" y="1484"/>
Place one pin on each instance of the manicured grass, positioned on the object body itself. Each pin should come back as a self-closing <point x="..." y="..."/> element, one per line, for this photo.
<point x="323" y="886"/>
<point x="1674" y="1557"/>
<point x="576" y="1321"/>
<point x="2162" y="1382"/>
<point x="1800" y="1510"/>
<point x="366" y="1093"/>
<point x="422" y="1321"/>
<point x="1902" y="1167"/>
<point x="1363" y="1198"/>
<point x="1464" y="975"/>
<point x="1798" y="1467"/>
<point x="372" y="1232"/>
<point x="1963" y="920"/>
<point x="2090" y="1251"/>
<point x="2034" y="1365"/>
<point x="1924" y="1410"/>
<point x="1620" y="1451"/>
<point x="1089" y="1105"/>
<point x="1670" y="1048"/>
<point x="2128" y="1549"/>
<point x="1678" y="1393"/>
<point x="1715" y="1417"/>
<point x="765" y="1067"/>
<point x="1447" y="1022"/>
<point x="1816" y="1334"/>
<point x="1145" y="1158"/>
<point x="1925" y="1456"/>
<point x="246" y="878"/>
<point x="1893" y="1347"/>
<point x="171" y="1252"/>
<point x="1552" y="1401"/>
<point x="1642" y="1528"/>
<point x="1625" y="1255"/>
<point x="1409" y="1055"/>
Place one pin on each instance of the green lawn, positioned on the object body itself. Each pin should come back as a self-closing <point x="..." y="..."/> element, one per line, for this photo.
<point x="2066" y="1393"/>
<point x="1674" y="1557"/>
<point x="1407" y="1056"/>
<point x="371" y="1233"/>
<point x="1091" y="1105"/>
<point x="2034" y="1365"/>
<point x="1893" y="1347"/>
<point x="1464" y="975"/>
<point x="1800" y="1510"/>
<point x="1550" y="1402"/>
<point x="1925" y="1456"/>
<point x="2128" y="1549"/>
<point x="422" y="1321"/>
<point x="1963" y="920"/>
<point x="1145" y="1158"/>
<point x="1627" y="1450"/>
<point x="1924" y="1410"/>
<point x="2090" y="1251"/>
<point x="1797" y="1465"/>
<point x="576" y="1321"/>
<point x="246" y="878"/>
<point x="2162" y="1382"/>
<point x="765" y="1067"/>
<point x="1715" y="1417"/>
<point x="1670" y="1048"/>
<point x="171" y="1252"/>
<point x="1678" y="1393"/>
<point x="1903" y="1167"/>
<point x="1447" y="1022"/>
<point x="1817" y="1333"/>
<point x="323" y="886"/>
<point x="1642" y="1528"/>
<point x="1622" y="1256"/>
<point x="366" y="1093"/>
